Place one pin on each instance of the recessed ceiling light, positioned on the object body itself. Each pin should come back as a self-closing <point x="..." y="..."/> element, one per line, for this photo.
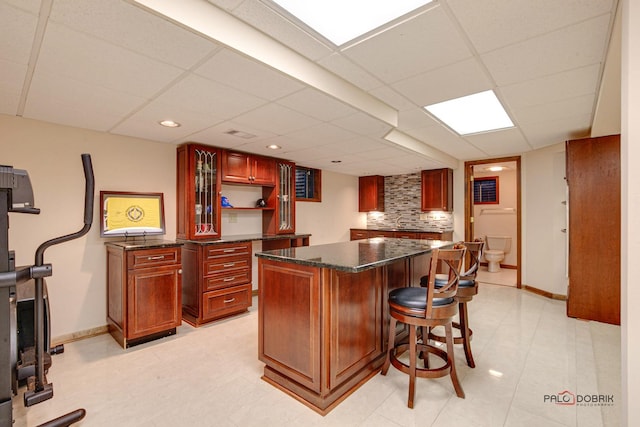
<point x="480" y="112"/>
<point x="240" y="134"/>
<point x="273" y="147"/>
<point x="170" y="124"/>
<point x="341" y="21"/>
<point x="496" y="168"/>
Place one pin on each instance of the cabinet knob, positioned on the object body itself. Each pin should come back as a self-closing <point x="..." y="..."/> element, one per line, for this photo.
<point x="180" y="271"/>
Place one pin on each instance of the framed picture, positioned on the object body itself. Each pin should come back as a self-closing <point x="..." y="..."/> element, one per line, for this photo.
<point x="131" y="214"/>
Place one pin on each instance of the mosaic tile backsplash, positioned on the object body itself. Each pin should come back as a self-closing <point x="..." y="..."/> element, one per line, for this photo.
<point x="402" y="200"/>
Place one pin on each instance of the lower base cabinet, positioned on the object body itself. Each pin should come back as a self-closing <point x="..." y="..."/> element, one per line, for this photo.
<point x="216" y="280"/>
<point x="144" y="291"/>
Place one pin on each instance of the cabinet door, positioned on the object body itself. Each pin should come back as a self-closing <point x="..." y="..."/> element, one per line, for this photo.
<point x="198" y="192"/>
<point x="359" y="234"/>
<point x="286" y="198"/>
<point x="236" y="167"/>
<point x="153" y="300"/>
<point x="263" y="171"/>
<point x="437" y="190"/>
<point x="371" y="193"/>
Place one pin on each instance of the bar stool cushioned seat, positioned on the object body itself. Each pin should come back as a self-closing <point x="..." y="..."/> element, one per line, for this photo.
<point x="419" y="307"/>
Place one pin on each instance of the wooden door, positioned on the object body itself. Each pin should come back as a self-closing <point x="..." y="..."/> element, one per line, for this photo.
<point x="236" y="167"/>
<point x="263" y="171"/>
<point x="437" y="190"/>
<point x="593" y="177"/>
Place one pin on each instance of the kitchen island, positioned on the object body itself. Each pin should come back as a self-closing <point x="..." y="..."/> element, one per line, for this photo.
<point x="322" y="310"/>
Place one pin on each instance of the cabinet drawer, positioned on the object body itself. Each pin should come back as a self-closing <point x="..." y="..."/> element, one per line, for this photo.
<point x="227" y="266"/>
<point x="219" y="281"/>
<point x="359" y="234"/>
<point x="152" y="257"/>
<point x="220" y="251"/>
<point x="401" y="235"/>
<point x="227" y="301"/>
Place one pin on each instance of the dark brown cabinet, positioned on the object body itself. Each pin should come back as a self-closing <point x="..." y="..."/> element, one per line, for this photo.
<point x="282" y="197"/>
<point x="371" y="193"/>
<point x="144" y="291"/>
<point x="198" y="192"/>
<point x="217" y="280"/>
<point x="437" y="190"/>
<point x="593" y="177"/>
<point x="243" y="168"/>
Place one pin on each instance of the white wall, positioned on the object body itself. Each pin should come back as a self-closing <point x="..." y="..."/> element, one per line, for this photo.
<point x="51" y="155"/>
<point x="492" y="220"/>
<point x="630" y="157"/>
<point x="543" y="218"/>
<point x="329" y="221"/>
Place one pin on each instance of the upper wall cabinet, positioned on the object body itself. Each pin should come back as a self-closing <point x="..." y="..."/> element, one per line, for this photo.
<point x="281" y="219"/>
<point x="198" y="192"/>
<point x="437" y="190"/>
<point x="243" y="168"/>
<point x="371" y="193"/>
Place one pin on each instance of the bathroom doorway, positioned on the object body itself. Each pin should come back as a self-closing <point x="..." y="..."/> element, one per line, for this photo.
<point x="493" y="207"/>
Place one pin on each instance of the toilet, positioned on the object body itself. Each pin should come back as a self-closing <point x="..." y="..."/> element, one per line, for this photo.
<point x="495" y="250"/>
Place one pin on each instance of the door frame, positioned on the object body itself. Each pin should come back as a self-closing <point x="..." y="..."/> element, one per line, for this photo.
<point x="468" y="205"/>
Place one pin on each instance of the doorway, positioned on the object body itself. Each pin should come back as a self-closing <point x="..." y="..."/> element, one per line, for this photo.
<point x="495" y="207"/>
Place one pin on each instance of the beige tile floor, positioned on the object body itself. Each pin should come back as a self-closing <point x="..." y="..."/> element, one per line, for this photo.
<point x="524" y="345"/>
<point x="505" y="277"/>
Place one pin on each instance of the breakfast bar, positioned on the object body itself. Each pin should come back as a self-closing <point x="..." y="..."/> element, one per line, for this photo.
<point x="323" y="320"/>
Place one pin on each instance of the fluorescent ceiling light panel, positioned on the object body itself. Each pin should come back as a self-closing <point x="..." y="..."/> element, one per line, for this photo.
<point x="341" y="21"/>
<point x="480" y="112"/>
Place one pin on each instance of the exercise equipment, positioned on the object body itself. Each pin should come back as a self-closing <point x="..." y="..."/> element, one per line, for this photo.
<point x="16" y="195"/>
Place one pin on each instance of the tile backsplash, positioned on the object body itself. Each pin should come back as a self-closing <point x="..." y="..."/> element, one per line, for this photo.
<point x="402" y="200"/>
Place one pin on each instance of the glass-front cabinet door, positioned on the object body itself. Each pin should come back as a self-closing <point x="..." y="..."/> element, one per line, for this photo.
<point x="198" y="192"/>
<point x="285" y="203"/>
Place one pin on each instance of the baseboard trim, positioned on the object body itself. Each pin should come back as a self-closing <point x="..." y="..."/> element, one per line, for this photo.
<point x="543" y="293"/>
<point x="507" y="266"/>
<point x="80" y="335"/>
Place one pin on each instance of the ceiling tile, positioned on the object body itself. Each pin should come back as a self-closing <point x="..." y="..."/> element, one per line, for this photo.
<point x="317" y="105"/>
<point x="16" y="34"/>
<point x="491" y="24"/>
<point x="578" y="106"/>
<point x="424" y="43"/>
<point x="11" y="82"/>
<point x="247" y="75"/>
<point x="275" y="118"/>
<point x="95" y="62"/>
<point x="123" y="24"/>
<point x="197" y="94"/>
<point x="216" y="135"/>
<point x="549" y="53"/>
<point x="321" y="134"/>
<point x="97" y="106"/>
<point x="552" y="88"/>
<point x="500" y="143"/>
<point x="363" y="124"/>
<point x="552" y="132"/>
<point x="452" y="81"/>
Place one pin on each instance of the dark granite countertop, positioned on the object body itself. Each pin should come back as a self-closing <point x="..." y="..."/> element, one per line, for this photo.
<point x="408" y="230"/>
<point x="134" y="244"/>
<point x="246" y="238"/>
<point x="356" y="255"/>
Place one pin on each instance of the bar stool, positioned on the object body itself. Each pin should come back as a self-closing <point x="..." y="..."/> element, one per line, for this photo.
<point x="467" y="288"/>
<point x="420" y="307"/>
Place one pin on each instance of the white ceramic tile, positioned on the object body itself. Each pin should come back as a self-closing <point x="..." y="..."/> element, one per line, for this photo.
<point x="211" y="376"/>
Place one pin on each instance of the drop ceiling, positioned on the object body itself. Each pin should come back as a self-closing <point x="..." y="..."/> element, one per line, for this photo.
<point x="122" y="66"/>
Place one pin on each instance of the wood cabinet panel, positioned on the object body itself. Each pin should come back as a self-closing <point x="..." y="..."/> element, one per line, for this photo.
<point x="357" y="234"/>
<point x="593" y="177"/>
<point x="354" y="319"/>
<point x="371" y="193"/>
<point x="144" y="292"/>
<point x="244" y="168"/>
<point x="217" y="280"/>
<point x="437" y="190"/>
<point x="289" y="319"/>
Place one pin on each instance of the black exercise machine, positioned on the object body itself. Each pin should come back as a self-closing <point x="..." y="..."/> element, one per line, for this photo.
<point x="16" y="195"/>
